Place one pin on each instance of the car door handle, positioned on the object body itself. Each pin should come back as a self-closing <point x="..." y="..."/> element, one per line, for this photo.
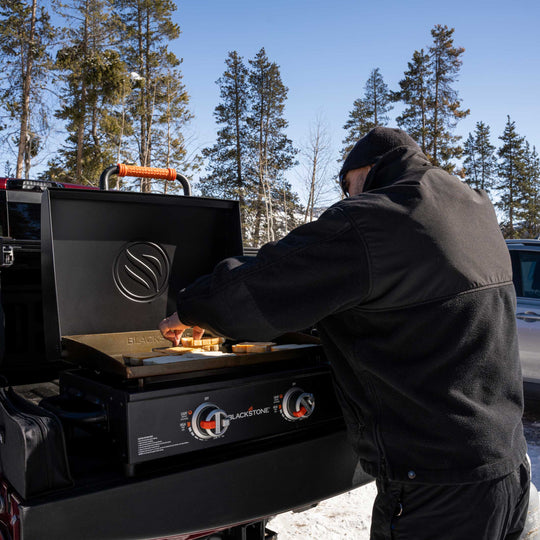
<point x="528" y="316"/>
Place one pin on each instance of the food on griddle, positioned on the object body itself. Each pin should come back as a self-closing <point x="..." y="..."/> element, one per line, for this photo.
<point x="190" y="344"/>
<point x="193" y="349"/>
<point x="252" y="347"/>
<point x="175" y="350"/>
<point x="204" y="342"/>
<point x="241" y="348"/>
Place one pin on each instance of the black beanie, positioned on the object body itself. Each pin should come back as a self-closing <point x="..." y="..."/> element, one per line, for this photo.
<point x="371" y="147"/>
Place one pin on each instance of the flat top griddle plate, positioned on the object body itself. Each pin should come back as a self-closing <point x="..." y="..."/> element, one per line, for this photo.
<point x="104" y="352"/>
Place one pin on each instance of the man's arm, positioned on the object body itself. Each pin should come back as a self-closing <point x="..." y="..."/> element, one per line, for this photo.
<point x="318" y="269"/>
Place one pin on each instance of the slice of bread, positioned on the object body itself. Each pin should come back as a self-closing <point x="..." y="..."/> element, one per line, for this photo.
<point x="252" y="347"/>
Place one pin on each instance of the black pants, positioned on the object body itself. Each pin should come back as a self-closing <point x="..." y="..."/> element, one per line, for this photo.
<point x="494" y="510"/>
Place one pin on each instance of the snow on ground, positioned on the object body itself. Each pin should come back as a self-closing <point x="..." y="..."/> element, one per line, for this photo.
<point x="349" y="515"/>
<point x="344" y="516"/>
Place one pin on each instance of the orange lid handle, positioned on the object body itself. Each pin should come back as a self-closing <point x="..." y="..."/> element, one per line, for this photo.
<point x="146" y="172"/>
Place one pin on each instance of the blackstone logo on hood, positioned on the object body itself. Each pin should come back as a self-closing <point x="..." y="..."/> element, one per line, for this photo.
<point x="249" y="413"/>
<point x="141" y="271"/>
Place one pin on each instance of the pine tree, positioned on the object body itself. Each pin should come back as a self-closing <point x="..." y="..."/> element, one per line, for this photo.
<point x="228" y="158"/>
<point x="356" y="126"/>
<point x="414" y="92"/>
<point x="94" y="80"/>
<point x="148" y="30"/>
<point x="377" y="99"/>
<point x="25" y="36"/>
<point x="432" y="106"/>
<point x="480" y="163"/>
<point x="531" y="202"/>
<point x="273" y="153"/>
<point x="471" y="169"/>
<point x="368" y="112"/>
<point x="512" y="178"/>
<point x="444" y="105"/>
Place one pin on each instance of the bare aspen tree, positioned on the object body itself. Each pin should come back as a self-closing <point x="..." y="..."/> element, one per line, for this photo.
<point x="315" y="158"/>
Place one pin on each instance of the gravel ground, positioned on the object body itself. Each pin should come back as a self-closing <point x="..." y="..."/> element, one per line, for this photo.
<point x="349" y="515"/>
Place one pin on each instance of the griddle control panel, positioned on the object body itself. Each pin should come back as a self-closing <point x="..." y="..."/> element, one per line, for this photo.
<point x="234" y="411"/>
<point x="157" y="422"/>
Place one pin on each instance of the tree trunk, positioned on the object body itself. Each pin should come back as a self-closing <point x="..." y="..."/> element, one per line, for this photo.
<point x="424" y="150"/>
<point x="376" y="122"/>
<point x="436" y="112"/>
<point x="511" y="201"/>
<point x="82" y="119"/>
<point x="24" y="135"/>
<point x="261" y="191"/>
<point x="239" y="179"/>
<point x="258" y="216"/>
<point x="143" y="68"/>
<point x="311" y="201"/>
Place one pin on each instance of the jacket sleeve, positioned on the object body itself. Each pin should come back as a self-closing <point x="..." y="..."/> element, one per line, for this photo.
<point x="318" y="269"/>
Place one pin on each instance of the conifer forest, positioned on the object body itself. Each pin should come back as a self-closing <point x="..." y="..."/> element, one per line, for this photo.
<point x="64" y="69"/>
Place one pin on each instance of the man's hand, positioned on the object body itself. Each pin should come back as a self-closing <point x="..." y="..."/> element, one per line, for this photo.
<point x="172" y="329"/>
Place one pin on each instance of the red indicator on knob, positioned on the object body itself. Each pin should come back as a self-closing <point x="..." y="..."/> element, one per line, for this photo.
<point x="300" y="413"/>
<point x="209" y="421"/>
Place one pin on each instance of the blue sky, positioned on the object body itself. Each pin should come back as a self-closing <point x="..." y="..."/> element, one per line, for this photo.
<point x="327" y="49"/>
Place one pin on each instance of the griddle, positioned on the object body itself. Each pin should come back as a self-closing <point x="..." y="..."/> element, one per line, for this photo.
<point x="113" y="263"/>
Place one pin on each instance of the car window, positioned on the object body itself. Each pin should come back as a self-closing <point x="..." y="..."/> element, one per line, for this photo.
<point x="526" y="271"/>
<point x="24" y="221"/>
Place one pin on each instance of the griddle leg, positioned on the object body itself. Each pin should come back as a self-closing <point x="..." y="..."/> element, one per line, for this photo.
<point x="129" y="469"/>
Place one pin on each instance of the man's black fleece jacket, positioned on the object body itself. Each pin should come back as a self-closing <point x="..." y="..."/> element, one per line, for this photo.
<point x="410" y="285"/>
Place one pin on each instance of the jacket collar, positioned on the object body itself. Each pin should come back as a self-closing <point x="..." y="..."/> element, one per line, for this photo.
<point x="393" y="165"/>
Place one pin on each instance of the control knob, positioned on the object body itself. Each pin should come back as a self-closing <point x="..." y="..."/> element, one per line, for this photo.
<point x="209" y="421"/>
<point x="297" y="404"/>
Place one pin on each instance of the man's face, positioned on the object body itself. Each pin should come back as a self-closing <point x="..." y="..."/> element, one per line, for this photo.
<point x="353" y="182"/>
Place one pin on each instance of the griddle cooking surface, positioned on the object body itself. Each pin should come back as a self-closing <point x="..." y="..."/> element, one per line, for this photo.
<point x="105" y="352"/>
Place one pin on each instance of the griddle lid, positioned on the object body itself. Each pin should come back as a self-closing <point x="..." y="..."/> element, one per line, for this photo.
<point x="114" y="261"/>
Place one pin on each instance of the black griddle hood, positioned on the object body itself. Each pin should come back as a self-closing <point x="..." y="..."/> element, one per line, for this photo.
<point x="114" y="261"/>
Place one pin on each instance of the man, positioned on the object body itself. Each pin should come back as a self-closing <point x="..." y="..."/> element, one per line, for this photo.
<point x="409" y="282"/>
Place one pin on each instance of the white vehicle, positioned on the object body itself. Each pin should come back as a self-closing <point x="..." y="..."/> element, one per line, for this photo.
<point x="525" y="256"/>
